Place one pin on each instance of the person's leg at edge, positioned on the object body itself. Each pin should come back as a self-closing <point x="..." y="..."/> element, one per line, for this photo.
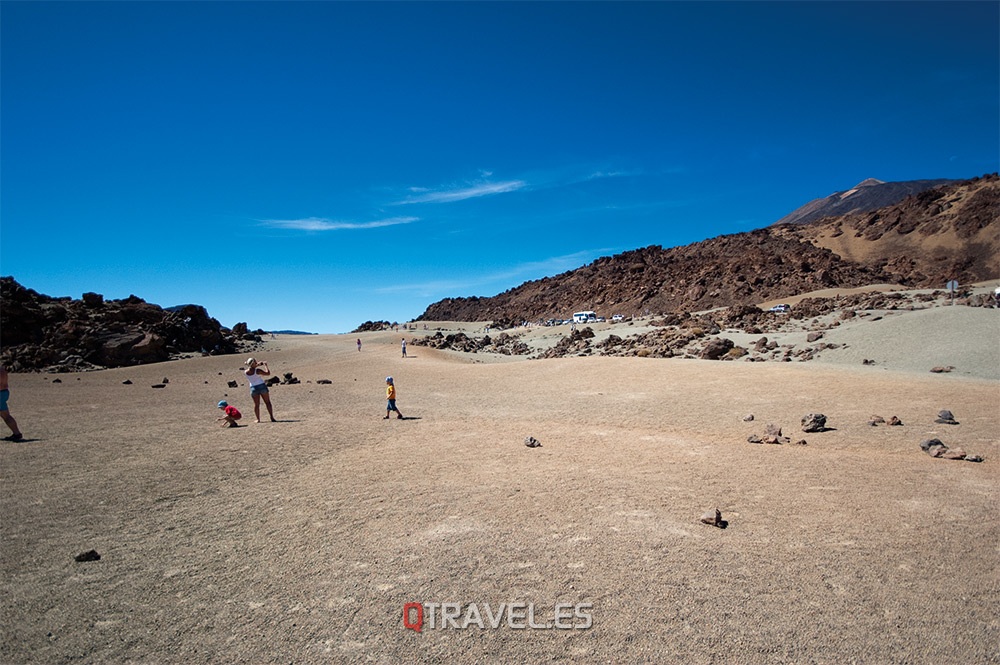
<point x="270" y="410"/>
<point x="11" y="423"/>
<point x="256" y="406"/>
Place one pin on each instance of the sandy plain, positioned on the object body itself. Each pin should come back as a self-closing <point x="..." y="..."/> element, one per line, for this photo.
<point x="301" y="541"/>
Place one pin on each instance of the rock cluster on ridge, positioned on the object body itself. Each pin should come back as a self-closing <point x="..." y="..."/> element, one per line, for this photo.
<point x="63" y="334"/>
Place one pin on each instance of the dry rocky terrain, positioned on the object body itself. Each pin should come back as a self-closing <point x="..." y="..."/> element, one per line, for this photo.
<point x="301" y="541"/>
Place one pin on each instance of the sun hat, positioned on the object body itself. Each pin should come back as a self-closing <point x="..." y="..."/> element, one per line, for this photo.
<point x="388" y="379"/>
<point x="250" y="361"/>
<point x="223" y="403"/>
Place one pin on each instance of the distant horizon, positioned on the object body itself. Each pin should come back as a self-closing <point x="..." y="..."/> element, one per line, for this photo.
<point x="312" y="166"/>
<point x="353" y="330"/>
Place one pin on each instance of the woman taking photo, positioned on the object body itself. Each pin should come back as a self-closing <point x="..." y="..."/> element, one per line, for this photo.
<point x="258" y="389"/>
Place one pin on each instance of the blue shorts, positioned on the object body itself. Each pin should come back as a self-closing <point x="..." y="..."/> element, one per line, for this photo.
<point x="4" y="394"/>
<point x="259" y="389"/>
<point x="391" y="406"/>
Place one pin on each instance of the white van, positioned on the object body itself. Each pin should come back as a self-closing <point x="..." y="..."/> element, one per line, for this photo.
<point x="584" y="317"/>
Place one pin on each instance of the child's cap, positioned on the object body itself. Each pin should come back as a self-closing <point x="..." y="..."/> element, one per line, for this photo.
<point x="223" y="404"/>
<point x="388" y="379"/>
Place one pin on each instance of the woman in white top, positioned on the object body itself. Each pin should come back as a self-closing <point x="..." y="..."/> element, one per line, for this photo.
<point x="258" y="389"/>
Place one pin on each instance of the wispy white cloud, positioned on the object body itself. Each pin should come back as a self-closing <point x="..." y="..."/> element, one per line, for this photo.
<point x="497" y="280"/>
<point x="462" y="193"/>
<point x="321" y="224"/>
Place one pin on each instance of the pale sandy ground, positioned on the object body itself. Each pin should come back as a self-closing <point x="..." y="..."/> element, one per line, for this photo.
<point x="300" y="541"/>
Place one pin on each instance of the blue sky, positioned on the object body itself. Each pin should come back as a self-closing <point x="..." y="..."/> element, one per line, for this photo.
<point x="313" y="165"/>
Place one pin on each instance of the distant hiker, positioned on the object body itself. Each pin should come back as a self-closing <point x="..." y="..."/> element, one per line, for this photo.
<point x="390" y="396"/>
<point x="359" y="345"/>
<point x="232" y="414"/>
<point x="4" y="411"/>
<point x="258" y="389"/>
<point x="404" y="347"/>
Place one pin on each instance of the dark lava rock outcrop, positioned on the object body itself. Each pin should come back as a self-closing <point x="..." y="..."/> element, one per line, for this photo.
<point x="62" y="334"/>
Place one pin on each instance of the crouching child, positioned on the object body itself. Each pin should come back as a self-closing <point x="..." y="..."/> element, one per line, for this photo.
<point x="232" y="414"/>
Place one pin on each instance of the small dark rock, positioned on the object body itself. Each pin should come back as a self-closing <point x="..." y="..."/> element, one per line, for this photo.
<point x="89" y="555"/>
<point x="814" y="422"/>
<point x="126" y="382"/>
<point x="159" y="385"/>
<point x="714" y="518"/>
<point x="933" y="447"/>
<point x="945" y="417"/>
<point x="532" y="442"/>
<point x="325" y="382"/>
<point x="232" y="384"/>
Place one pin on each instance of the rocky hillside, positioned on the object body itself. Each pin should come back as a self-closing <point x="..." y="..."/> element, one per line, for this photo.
<point x="868" y="195"/>
<point x="940" y="234"/>
<point x="62" y="334"/>
<point x="949" y="232"/>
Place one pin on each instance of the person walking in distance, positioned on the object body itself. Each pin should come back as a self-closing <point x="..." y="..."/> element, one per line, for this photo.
<point x="359" y="345"/>
<point x="404" y="347"/>
<point x="255" y="372"/>
<point x="4" y="411"/>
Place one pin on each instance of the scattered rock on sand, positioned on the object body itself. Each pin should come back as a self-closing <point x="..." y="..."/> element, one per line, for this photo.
<point x="89" y="555"/>
<point x="325" y="382"/>
<point x="532" y="442"/>
<point x="936" y="448"/>
<point x="946" y="417"/>
<point x="942" y="370"/>
<point x="714" y="518"/>
<point x="933" y="447"/>
<point x="159" y="385"/>
<point x="232" y="384"/>
<point x="895" y="421"/>
<point x="814" y="422"/>
<point x="747" y="418"/>
<point x="127" y="382"/>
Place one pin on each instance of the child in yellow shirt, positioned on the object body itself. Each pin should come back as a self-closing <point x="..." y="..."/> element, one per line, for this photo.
<point x="390" y="396"/>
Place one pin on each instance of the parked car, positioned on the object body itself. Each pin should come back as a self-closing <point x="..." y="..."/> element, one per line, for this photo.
<point x="780" y="308"/>
<point x="617" y="317"/>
